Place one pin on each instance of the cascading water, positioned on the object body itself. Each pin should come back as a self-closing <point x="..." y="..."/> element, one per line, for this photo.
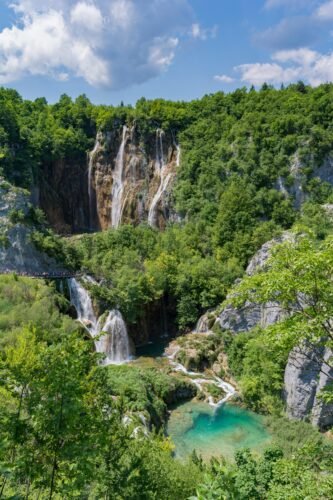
<point x="82" y="302"/>
<point x="118" y="184"/>
<point x="115" y="343"/>
<point x="178" y="155"/>
<point x="92" y="155"/>
<point x="165" y="178"/>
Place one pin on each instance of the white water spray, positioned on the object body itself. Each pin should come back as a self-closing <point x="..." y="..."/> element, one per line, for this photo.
<point x="92" y="155"/>
<point x="115" y="343"/>
<point x="229" y="390"/>
<point x="118" y="183"/>
<point x="82" y="302"/>
<point x="178" y="155"/>
<point x="165" y="178"/>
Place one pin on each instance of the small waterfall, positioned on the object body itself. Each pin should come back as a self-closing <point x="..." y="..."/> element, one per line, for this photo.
<point x="82" y="302"/>
<point x="90" y="187"/>
<point x="116" y="344"/>
<point x="165" y="178"/>
<point x="118" y="185"/>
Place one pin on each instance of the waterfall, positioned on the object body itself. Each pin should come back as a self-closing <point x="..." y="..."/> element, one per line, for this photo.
<point x="82" y="302"/>
<point x="165" y="178"/>
<point x="90" y="187"/>
<point x="116" y="344"/>
<point x="178" y="155"/>
<point x="118" y="185"/>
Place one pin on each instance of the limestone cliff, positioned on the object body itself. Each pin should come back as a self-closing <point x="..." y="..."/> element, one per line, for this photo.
<point x="308" y="372"/>
<point x="17" y="252"/>
<point x="126" y="178"/>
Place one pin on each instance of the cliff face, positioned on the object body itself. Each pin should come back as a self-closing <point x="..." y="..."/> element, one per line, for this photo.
<point x="307" y="374"/>
<point x="308" y="371"/>
<point x="62" y="192"/>
<point x="127" y="178"/>
<point x="17" y="252"/>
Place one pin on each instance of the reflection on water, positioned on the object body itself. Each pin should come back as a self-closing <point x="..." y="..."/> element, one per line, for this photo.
<point x="195" y="426"/>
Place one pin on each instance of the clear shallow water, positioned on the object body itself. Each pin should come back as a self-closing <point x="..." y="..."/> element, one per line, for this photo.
<point x="153" y="349"/>
<point x="195" y="426"/>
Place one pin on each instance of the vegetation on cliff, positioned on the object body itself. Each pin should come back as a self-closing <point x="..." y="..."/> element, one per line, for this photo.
<point x="246" y="158"/>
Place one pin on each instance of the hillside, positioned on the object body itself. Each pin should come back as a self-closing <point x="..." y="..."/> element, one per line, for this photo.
<point x="205" y="227"/>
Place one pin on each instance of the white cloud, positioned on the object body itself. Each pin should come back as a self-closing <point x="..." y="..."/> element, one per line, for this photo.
<point x="325" y="11"/>
<point x="110" y="43"/>
<point x="303" y="56"/>
<point x="197" y="32"/>
<point x="224" y="78"/>
<point x="271" y="4"/>
<point x="259" y="73"/>
<point x="302" y="64"/>
<point x="87" y="16"/>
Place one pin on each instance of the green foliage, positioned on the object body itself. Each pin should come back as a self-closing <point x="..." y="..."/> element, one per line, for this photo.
<point x="258" y="365"/>
<point x="306" y="474"/>
<point x="61" y="428"/>
<point x="147" y="391"/>
<point x="25" y="301"/>
<point x="141" y="265"/>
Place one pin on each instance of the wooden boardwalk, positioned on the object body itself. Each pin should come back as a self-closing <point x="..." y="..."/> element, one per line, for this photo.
<point x="57" y="275"/>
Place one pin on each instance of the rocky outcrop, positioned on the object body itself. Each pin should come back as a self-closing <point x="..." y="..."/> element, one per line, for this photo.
<point x="298" y="179"/>
<point x="126" y="178"/>
<point x="148" y="168"/>
<point x="245" y="318"/>
<point x="307" y="375"/>
<point x="17" y="252"/>
<point x="308" y="372"/>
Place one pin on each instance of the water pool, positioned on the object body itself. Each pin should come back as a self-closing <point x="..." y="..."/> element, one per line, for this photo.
<point x="196" y="426"/>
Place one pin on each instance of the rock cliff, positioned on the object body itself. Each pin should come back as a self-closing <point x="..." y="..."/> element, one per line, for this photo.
<point x="17" y="252"/>
<point x="307" y="372"/>
<point x="126" y="178"/>
<point x="306" y="375"/>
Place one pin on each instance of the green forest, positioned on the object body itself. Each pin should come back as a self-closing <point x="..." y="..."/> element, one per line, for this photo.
<point x="62" y="412"/>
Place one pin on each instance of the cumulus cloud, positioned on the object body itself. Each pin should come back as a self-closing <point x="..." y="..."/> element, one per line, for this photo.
<point x="289" y="66"/>
<point x="87" y="16"/>
<point x="224" y="78"/>
<point x="325" y="11"/>
<point x="109" y="43"/>
<point x="200" y="33"/>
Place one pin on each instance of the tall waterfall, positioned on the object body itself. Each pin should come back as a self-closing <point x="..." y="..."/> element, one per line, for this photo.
<point x="90" y="187"/>
<point x="178" y="155"/>
<point x="165" y="177"/>
<point x="118" y="184"/>
<point x="115" y="343"/>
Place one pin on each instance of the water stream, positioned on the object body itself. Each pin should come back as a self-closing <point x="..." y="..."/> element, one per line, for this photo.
<point x="92" y="155"/>
<point x="165" y="177"/>
<point x="115" y="344"/>
<point x="118" y="182"/>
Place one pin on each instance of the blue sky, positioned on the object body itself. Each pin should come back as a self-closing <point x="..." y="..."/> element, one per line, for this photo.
<point x="120" y="50"/>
